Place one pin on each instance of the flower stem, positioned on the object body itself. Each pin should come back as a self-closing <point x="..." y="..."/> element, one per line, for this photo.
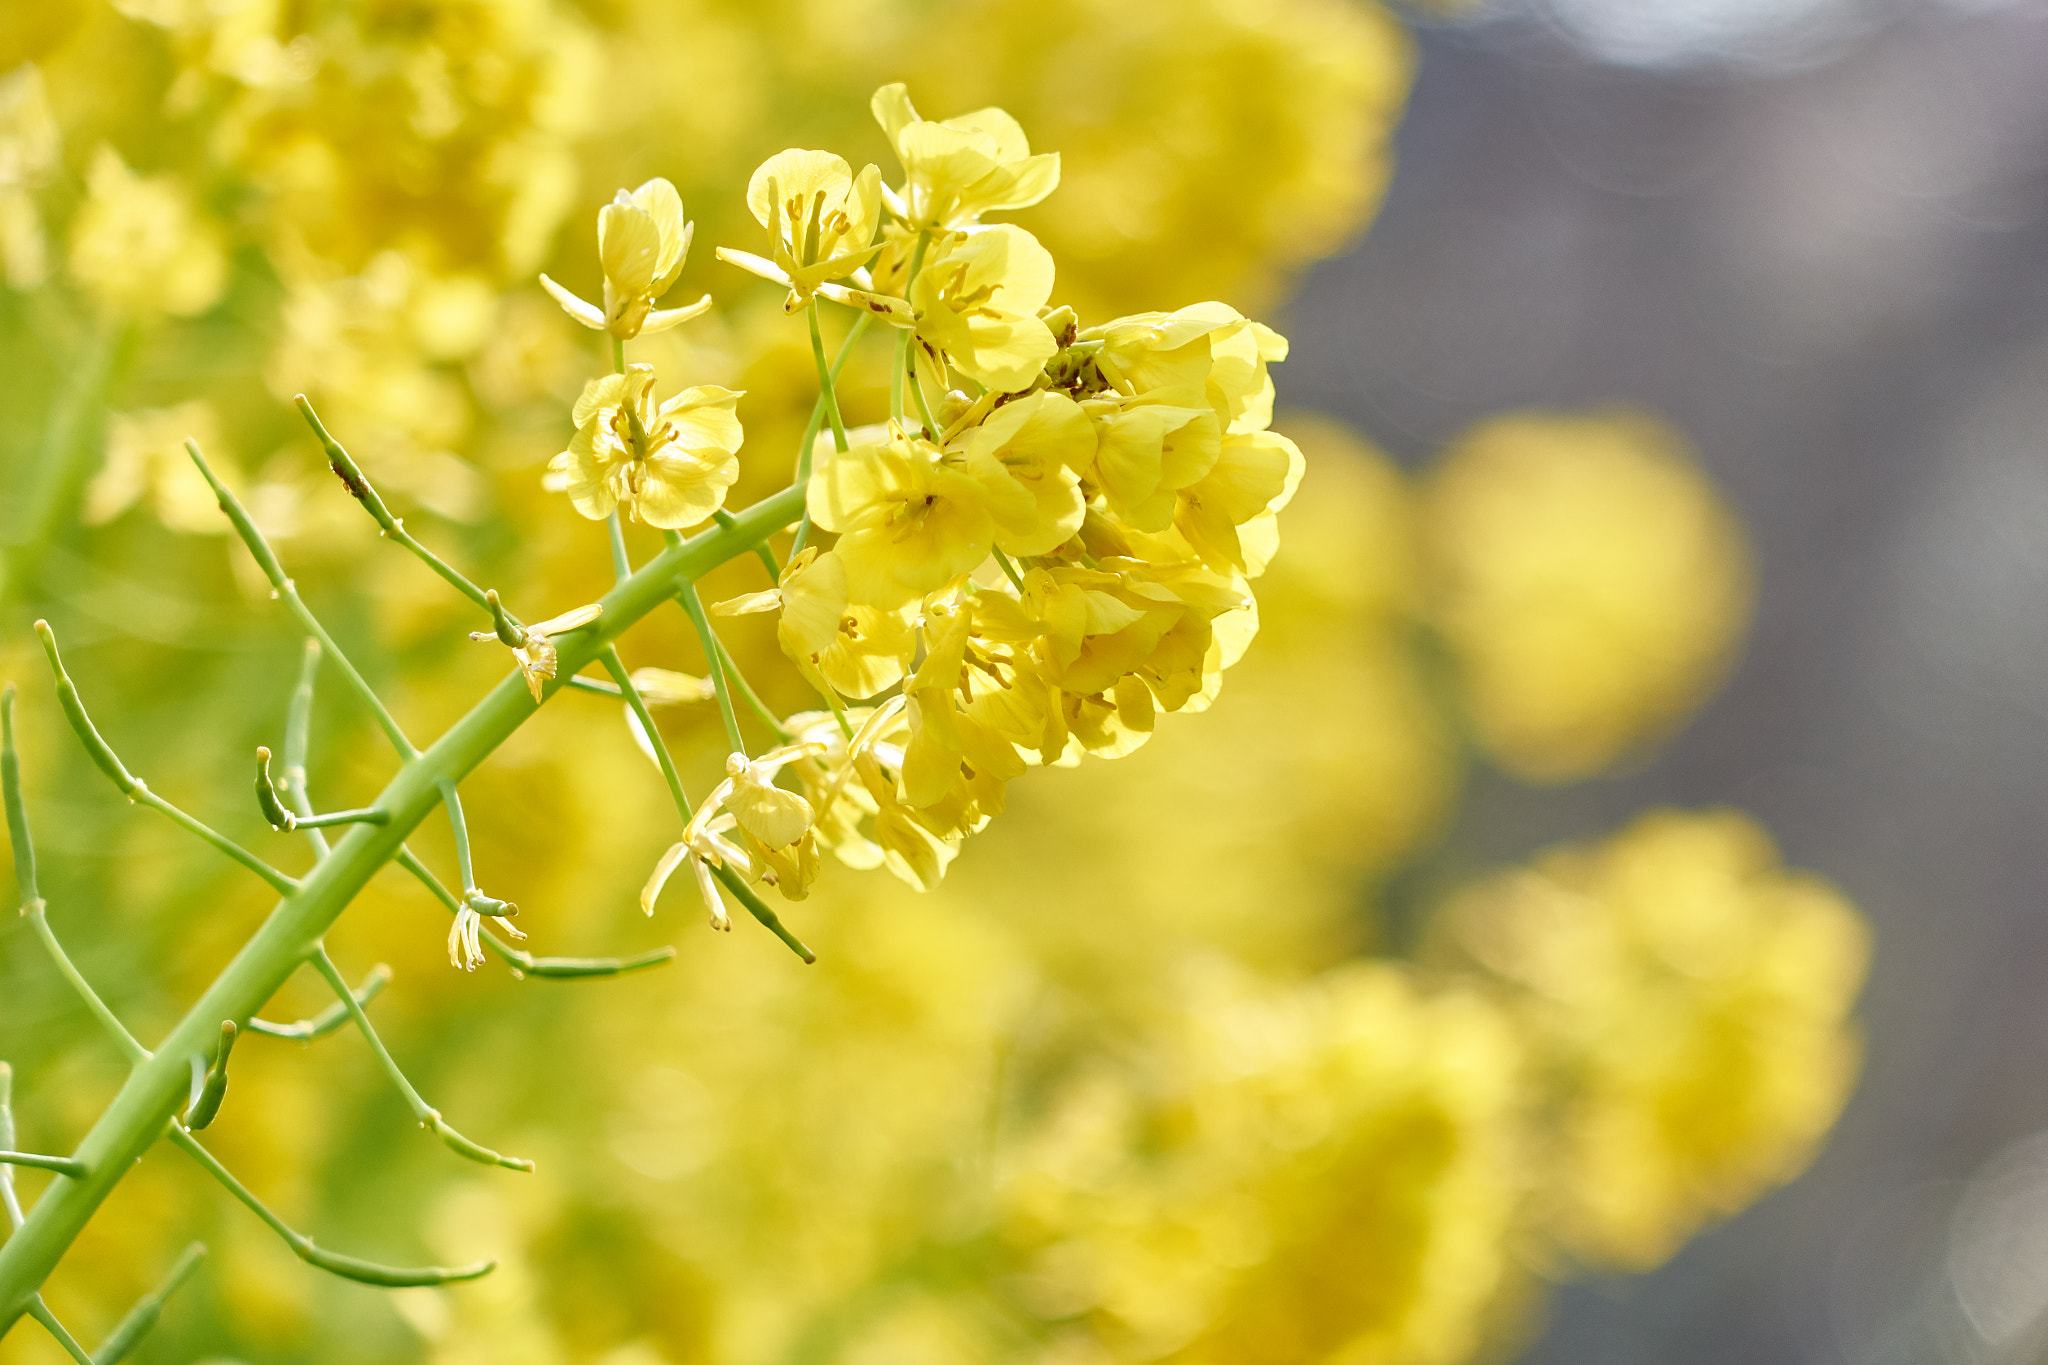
<point x="827" y="383"/>
<point x="826" y="392"/>
<point x="687" y="595"/>
<point x="428" y="1116"/>
<point x="617" y="668"/>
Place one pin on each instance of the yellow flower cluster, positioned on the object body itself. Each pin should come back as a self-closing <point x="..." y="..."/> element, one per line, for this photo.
<point x="1038" y="574"/>
<point x="1589" y="582"/>
<point x="1688" y="999"/>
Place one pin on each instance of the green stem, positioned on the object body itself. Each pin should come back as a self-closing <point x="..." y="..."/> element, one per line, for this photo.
<point x="331" y="1018"/>
<point x="1009" y="569"/>
<point x="747" y="693"/>
<point x="7" y="1198"/>
<point x="62" y="1165"/>
<point x="40" y="1311"/>
<point x="122" y="1341"/>
<point x="362" y="490"/>
<point x="687" y="595"/>
<point x="828" y="381"/>
<point x="453" y="802"/>
<point x="266" y="559"/>
<point x="348" y="1267"/>
<point x="617" y="668"/>
<point x="622" y="563"/>
<point x="826" y="391"/>
<point x="133" y="787"/>
<point x="758" y="908"/>
<point x="156" y="1089"/>
<point x="428" y="1116"/>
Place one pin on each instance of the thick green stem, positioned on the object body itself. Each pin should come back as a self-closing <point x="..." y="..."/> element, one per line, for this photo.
<point x="157" y="1088"/>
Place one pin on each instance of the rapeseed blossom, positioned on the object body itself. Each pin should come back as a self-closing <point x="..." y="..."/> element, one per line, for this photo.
<point x="666" y="462"/>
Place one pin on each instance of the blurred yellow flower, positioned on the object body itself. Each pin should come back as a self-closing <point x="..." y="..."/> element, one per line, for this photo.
<point x="668" y="463"/>
<point x="1589" y="581"/>
<point x="1690" y="998"/>
<point x="138" y="246"/>
<point x="146" y="459"/>
<point x="30" y="144"/>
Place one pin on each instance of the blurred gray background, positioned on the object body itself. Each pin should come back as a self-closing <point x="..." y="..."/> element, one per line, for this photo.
<point x="1814" y="234"/>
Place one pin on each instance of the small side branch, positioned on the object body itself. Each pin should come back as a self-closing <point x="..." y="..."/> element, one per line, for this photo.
<point x="758" y="908"/>
<point x="360" y="488"/>
<point x="714" y="656"/>
<point x="7" y="1138"/>
<point x="286" y="590"/>
<point x="348" y="1267"/>
<point x="331" y="1018"/>
<point x="32" y="900"/>
<point x="428" y="1116"/>
<point x="271" y="802"/>
<point x="62" y="1165"/>
<point x="129" y="1332"/>
<point x="617" y="668"/>
<point x="133" y="787"/>
<point x="524" y="964"/>
<point x="40" y="1311"/>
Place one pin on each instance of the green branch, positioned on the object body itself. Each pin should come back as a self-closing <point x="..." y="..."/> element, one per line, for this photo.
<point x="157" y="1088"/>
<point x="348" y="1267"/>
<point x="694" y="605"/>
<point x="525" y="964"/>
<point x="129" y="1332"/>
<point x="331" y="1018"/>
<point x="62" y="1165"/>
<point x="428" y="1116"/>
<point x="288" y="592"/>
<point x="133" y="787"/>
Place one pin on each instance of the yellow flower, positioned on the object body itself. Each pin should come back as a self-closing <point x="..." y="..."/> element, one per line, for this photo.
<point x="1691" y="998"/>
<point x="669" y="464"/>
<point x="1148" y="452"/>
<point x="977" y="300"/>
<point x="821" y="227"/>
<point x="1589" y="580"/>
<point x="1254" y="476"/>
<point x="773" y="824"/>
<point x="959" y="169"/>
<point x="1041" y="442"/>
<point x="908" y="522"/>
<point x="857" y="649"/>
<point x="138" y="246"/>
<point x="1204" y="353"/>
<point x="642" y="241"/>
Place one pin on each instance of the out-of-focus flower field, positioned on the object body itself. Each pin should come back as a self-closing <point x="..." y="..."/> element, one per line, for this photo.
<point x="1156" y="1073"/>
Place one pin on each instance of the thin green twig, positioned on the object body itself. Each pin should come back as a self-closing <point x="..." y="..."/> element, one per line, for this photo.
<point x="805" y="453"/>
<point x="129" y="1332"/>
<point x="32" y="905"/>
<point x="826" y="389"/>
<point x="758" y="908"/>
<point x="266" y="559"/>
<point x="40" y="1311"/>
<point x="133" y="787"/>
<point x="365" y="493"/>
<point x="331" y="1018"/>
<point x="694" y="605"/>
<point x="428" y="1116"/>
<point x="1009" y="569"/>
<point x="62" y="1165"/>
<point x="348" y="1267"/>
<point x="622" y="563"/>
<point x="617" y="668"/>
